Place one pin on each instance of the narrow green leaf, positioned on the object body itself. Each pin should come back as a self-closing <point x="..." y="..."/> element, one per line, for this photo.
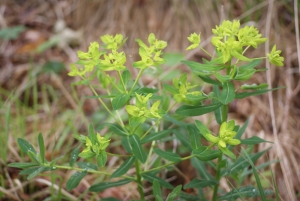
<point x="200" y="183"/>
<point x="227" y="152"/>
<point x="201" y="169"/>
<point x="126" y="76"/>
<point x="253" y="140"/>
<point x="92" y="134"/>
<point x="202" y="128"/>
<point x="113" y="128"/>
<point x="227" y="94"/>
<point x="87" y="166"/>
<point x="187" y="110"/>
<point x="208" y="80"/>
<point x="123" y="169"/>
<point x="254" y="93"/>
<point x="101" y="159"/>
<point x="175" y="192"/>
<point x="205" y="154"/>
<point x="244" y="192"/>
<point x="137" y="148"/>
<point x="87" y="155"/>
<point x="151" y="178"/>
<point x="22" y="165"/>
<point x="125" y="144"/>
<point x="251" y="64"/>
<point x="74" y="180"/>
<point x="37" y="171"/>
<point x="26" y="146"/>
<point x="173" y="157"/>
<point x="34" y="156"/>
<point x="243" y="75"/>
<point x="156" y="136"/>
<point x="135" y="121"/>
<point x="189" y="197"/>
<point x="217" y="112"/>
<point x="222" y="78"/>
<point x="74" y="156"/>
<point x="195" y="137"/>
<point x="105" y="185"/>
<point x="29" y="170"/>
<point x="259" y="167"/>
<point x="260" y="188"/>
<point x="254" y="86"/>
<point x="241" y="131"/>
<point x="241" y="163"/>
<point x="174" y="120"/>
<point x="119" y="101"/>
<point x="42" y="147"/>
<point x="182" y="136"/>
<point x="157" y="191"/>
<point x="171" y="89"/>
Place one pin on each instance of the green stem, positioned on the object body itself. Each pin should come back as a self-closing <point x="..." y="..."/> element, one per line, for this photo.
<point x="206" y="52"/>
<point x="104" y="105"/>
<point x="136" y="80"/>
<point x="224" y="119"/>
<point x="139" y="179"/>
<point x="122" y="81"/>
<point x="112" y="82"/>
<point x="157" y="121"/>
<point x="218" y="177"/>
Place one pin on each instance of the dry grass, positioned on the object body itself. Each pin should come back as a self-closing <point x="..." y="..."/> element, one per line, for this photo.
<point x="274" y="117"/>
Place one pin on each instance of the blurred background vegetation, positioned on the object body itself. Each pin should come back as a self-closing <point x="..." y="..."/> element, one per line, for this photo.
<point x="39" y="39"/>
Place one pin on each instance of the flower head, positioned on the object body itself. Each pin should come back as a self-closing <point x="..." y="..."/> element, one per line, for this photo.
<point x="195" y="39"/>
<point x="226" y="136"/>
<point x="113" y="42"/>
<point x="275" y="58"/>
<point x="150" y="55"/>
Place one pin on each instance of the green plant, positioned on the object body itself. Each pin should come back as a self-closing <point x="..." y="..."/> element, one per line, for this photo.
<point x="144" y="126"/>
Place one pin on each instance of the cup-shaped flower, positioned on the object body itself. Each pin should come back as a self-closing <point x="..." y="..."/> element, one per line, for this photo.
<point x="275" y="58"/>
<point x="226" y="136"/>
<point x="195" y="40"/>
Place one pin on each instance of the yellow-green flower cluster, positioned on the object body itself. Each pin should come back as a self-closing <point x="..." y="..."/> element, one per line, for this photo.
<point x="113" y="61"/>
<point x="226" y="136"/>
<point x="88" y="60"/>
<point x="94" y="148"/>
<point x="183" y="87"/>
<point x="140" y="111"/>
<point x="275" y="58"/>
<point x="93" y="57"/>
<point x="230" y="39"/>
<point x="150" y="55"/>
<point x="113" y="42"/>
<point x="195" y="40"/>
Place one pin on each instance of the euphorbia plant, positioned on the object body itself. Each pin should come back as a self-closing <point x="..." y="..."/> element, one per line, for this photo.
<point x="149" y="113"/>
